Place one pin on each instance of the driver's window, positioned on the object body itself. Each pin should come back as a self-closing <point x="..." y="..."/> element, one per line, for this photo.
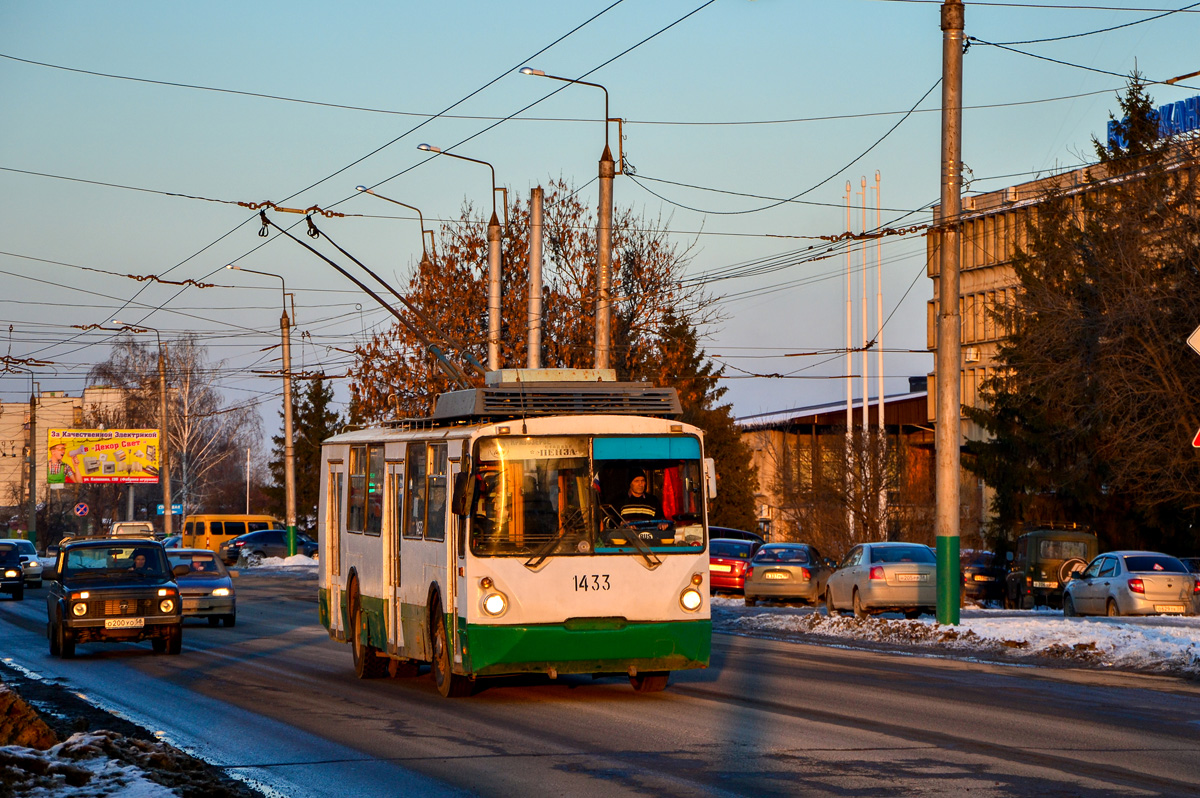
<point x="1109" y="567"/>
<point x="1093" y="569"/>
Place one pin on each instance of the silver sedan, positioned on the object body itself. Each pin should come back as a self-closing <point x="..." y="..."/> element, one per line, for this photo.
<point x="786" y="571"/>
<point x="1132" y="583"/>
<point x="884" y="577"/>
<point x="207" y="589"/>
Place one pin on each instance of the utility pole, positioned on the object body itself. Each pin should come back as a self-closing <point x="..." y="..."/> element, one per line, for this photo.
<point x="947" y="368"/>
<point x="533" y="346"/>
<point x="168" y="515"/>
<point x="31" y="532"/>
<point x="289" y="449"/>
<point x="608" y="169"/>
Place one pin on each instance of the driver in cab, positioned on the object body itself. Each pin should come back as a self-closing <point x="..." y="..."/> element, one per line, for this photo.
<point x="640" y="505"/>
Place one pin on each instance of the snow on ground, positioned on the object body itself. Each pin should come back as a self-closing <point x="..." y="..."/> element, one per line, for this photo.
<point x="85" y="766"/>
<point x="1162" y="644"/>
<point x="269" y="563"/>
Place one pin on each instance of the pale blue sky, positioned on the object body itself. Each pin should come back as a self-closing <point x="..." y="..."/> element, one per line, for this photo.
<point x="732" y="61"/>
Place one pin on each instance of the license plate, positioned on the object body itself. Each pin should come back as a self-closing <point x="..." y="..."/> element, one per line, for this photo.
<point x="1045" y="584"/>
<point x="982" y="578"/>
<point x="775" y="575"/>
<point x="721" y="568"/>
<point x="124" y="623"/>
<point x="193" y="604"/>
<point x="1169" y="608"/>
<point x="909" y="578"/>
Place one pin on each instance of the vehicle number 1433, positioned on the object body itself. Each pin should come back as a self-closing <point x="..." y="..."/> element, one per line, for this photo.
<point x="592" y="582"/>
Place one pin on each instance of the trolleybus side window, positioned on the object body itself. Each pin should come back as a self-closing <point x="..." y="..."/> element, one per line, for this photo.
<point x="414" y="500"/>
<point x="374" y="495"/>
<point x="437" y="498"/>
<point x="356" y="504"/>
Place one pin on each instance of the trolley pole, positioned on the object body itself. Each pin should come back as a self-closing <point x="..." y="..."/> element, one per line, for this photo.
<point x="949" y="400"/>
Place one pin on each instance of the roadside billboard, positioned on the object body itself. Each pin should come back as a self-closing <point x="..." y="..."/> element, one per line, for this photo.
<point x="97" y="456"/>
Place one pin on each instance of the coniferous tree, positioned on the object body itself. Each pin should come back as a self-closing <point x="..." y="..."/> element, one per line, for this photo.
<point x="314" y="420"/>
<point x="1092" y="411"/>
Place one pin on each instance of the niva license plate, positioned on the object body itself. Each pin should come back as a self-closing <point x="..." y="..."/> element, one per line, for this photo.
<point x="124" y="623"/>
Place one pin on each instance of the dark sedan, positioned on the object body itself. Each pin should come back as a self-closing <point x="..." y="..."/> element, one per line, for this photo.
<point x="12" y="578"/>
<point x="983" y="576"/>
<point x="257" y="546"/>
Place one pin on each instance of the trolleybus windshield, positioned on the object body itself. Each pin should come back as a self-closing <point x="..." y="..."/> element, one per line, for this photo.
<point x="539" y="497"/>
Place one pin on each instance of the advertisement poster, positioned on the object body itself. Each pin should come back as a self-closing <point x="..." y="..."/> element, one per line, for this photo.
<point x="98" y="456"/>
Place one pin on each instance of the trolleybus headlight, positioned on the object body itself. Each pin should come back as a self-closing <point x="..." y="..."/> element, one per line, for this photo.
<point x="690" y="599"/>
<point x="166" y="605"/>
<point x="79" y="609"/>
<point x="495" y="604"/>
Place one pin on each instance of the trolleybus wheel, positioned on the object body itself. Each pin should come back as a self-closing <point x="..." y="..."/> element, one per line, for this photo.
<point x="651" y="682"/>
<point x="449" y="684"/>
<point x="367" y="663"/>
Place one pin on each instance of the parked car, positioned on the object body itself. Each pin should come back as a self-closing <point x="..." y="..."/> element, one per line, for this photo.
<point x="786" y="571"/>
<point x="884" y="577"/>
<point x="983" y="576"/>
<point x="173" y="542"/>
<point x="728" y="533"/>
<point x="1132" y="583"/>
<point x="257" y="546"/>
<point x="12" y="578"/>
<point x="30" y="564"/>
<point x="206" y="589"/>
<point x="1192" y="563"/>
<point x="1043" y="562"/>
<point x="113" y="590"/>
<point x="727" y="561"/>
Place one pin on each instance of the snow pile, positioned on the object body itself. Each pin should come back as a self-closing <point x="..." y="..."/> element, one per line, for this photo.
<point x="89" y="764"/>
<point x="295" y="561"/>
<point x="1164" y="645"/>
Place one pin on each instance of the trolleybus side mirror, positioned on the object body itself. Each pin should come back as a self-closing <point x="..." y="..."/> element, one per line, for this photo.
<point x="463" y="497"/>
<point x="710" y="476"/>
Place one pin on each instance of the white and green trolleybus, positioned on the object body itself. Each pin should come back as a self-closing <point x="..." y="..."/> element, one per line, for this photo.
<point x="488" y="539"/>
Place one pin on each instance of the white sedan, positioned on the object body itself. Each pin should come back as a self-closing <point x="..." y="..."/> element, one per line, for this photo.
<point x="1132" y="583"/>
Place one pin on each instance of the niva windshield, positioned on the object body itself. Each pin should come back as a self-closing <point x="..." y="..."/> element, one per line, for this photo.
<point x="539" y="497"/>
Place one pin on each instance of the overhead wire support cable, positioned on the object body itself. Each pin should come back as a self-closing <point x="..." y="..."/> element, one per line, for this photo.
<point x="449" y="368"/>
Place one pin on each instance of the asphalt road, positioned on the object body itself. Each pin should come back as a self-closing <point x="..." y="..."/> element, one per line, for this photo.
<point x="274" y="701"/>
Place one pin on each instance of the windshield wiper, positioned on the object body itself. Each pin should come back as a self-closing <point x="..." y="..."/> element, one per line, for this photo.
<point x="538" y="559"/>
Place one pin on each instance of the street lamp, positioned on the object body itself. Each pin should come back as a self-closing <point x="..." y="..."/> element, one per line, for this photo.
<point x="493" y="237"/>
<point x="165" y="472"/>
<point x="289" y="453"/>
<point x="425" y="262"/>
<point x="604" y="233"/>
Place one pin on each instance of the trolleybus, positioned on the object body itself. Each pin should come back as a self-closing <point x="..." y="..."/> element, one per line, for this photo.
<point x="489" y="539"/>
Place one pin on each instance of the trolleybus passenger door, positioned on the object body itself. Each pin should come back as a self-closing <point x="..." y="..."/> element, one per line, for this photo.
<point x="394" y="532"/>
<point x="331" y="559"/>
<point x="455" y="568"/>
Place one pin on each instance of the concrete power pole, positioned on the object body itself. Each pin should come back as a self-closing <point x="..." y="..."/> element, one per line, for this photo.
<point x="537" y="200"/>
<point x="289" y="450"/>
<point x="31" y="532"/>
<point x="604" y="260"/>
<point x="168" y="515"/>
<point x="949" y="400"/>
